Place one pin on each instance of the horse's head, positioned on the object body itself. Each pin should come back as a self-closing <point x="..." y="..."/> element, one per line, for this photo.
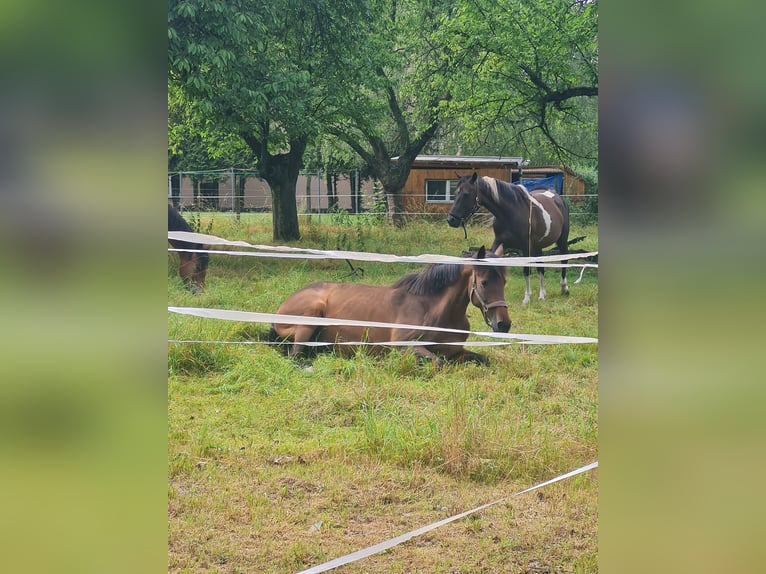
<point x="193" y="269"/>
<point x="488" y="291"/>
<point x="466" y="200"/>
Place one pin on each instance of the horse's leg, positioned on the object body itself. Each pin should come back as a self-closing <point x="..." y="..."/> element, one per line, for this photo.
<point x="470" y="356"/>
<point x="541" y="276"/>
<point x="187" y="268"/>
<point x="527" y="289"/>
<point x="424" y="353"/>
<point x="301" y="334"/>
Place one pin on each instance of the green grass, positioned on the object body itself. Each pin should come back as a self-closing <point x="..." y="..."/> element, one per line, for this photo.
<point x="372" y="446"/>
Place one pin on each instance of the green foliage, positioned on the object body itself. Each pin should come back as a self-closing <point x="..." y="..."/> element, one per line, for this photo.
<point x="530" y="74"/>
<point x="266" y="74"/>
<point x="361" y="82"/>
<point x="194" y="219"/>
<point x="589" y="175"/>
<point x="589" y="205"/>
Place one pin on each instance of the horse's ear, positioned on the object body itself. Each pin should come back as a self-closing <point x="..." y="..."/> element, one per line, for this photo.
<point x="499" y="251"/>
<point x="473" y="177"/>
<point x="481" y="253"/>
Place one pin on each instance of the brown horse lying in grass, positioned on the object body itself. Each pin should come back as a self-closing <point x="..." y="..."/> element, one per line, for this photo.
<point x="438" y="296"/>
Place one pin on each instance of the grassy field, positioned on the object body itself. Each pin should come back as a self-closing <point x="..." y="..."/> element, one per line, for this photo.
<point x="273" y="468"/>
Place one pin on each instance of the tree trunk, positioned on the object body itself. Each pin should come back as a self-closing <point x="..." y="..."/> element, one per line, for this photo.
<point x="393" y="186"/>
<point x="281" y="173"/>
<point x="395" y="203"/>
<point x="284" y="209"/>
<point x="332" y="201"/>
<point x="354" y="182"/>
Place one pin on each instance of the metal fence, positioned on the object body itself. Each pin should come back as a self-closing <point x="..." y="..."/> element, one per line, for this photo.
<point x="242" y="190"/>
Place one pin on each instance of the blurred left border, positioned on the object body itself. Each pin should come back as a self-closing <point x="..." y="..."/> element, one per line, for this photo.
<point x="83" y="402"/>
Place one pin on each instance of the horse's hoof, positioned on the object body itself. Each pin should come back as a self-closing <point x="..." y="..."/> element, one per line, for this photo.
<point x="303" y="364"/>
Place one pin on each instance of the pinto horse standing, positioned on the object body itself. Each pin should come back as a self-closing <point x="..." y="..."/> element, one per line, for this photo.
<point x="193" y="266"/>
<point x="438" y="296"/>
<point x="525" y="221"/>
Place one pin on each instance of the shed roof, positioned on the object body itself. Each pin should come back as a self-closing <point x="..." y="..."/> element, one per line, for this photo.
<point x="550" y="169"/>
<point x="465" y="160"/>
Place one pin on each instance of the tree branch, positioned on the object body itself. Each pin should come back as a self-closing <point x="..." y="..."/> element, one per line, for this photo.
<point x="396" y="112"/>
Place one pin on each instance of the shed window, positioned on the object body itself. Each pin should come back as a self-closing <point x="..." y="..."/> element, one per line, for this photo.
<point x="440" y="190"/>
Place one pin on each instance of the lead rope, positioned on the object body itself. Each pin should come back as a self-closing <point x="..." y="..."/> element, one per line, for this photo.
<point x="462" y="221"/>
<point x="529" y="232"/>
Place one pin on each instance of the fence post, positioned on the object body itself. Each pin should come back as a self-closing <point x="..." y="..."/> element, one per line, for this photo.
<point x="319" y="194"/>
<point x="233" y="193"/>
<point x="356" y="191"/>
<point x="308" y="196"/>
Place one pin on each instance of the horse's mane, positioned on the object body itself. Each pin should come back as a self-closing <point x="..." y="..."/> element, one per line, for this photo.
<point x="432" y="280"/>
<point x="498" y="187"/>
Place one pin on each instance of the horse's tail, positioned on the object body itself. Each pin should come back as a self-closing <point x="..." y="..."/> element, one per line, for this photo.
<point x="576" y="240"/>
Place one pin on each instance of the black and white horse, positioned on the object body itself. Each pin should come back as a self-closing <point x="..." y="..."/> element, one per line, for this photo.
<point x="525" y="221"/>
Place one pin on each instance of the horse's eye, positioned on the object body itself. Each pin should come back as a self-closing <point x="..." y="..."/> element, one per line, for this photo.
<point x="484" y="283"/>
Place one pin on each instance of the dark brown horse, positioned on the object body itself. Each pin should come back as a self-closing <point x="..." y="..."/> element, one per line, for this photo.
<point x="438" y="296"/>
<point x="193" y="266"/>
<point x="525" y="221"/>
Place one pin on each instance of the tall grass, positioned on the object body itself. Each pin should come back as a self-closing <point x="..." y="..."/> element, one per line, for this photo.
<point x="260" y="449"/>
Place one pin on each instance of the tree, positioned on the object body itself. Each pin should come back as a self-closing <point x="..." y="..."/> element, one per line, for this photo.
<point x="264" y="71"/>
<point x="195" y="141"/>
<point x="532" y="73"/>
<point x="394" y="104"/>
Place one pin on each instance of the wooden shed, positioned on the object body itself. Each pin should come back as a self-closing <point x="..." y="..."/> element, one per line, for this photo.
<point x="433" y="178"/>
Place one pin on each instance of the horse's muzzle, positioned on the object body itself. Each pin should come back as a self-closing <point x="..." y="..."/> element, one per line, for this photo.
<point x="453" y="221"/>
<point x="502" y="326"/>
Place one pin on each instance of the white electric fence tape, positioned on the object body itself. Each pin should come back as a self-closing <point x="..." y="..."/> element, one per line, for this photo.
<point x="301" y="253"/>
<point x="253" y="317"/>
<point x="391" y="542"/>
<point x="365" y="343"/>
